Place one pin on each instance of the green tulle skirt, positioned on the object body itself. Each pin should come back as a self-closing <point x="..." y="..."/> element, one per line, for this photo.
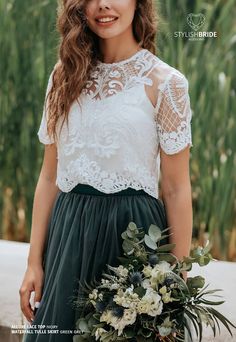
<point x="84" y="234"/>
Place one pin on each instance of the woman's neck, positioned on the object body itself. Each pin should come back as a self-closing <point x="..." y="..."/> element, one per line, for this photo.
<point x="118" y="48"/>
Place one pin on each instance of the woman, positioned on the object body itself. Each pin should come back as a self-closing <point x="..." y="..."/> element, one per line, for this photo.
<point x="128" y="119"/>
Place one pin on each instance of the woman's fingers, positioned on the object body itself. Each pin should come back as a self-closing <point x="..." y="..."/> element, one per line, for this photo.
<point x="33" y="281"/>
<point x="37" y="297"/>
<point x="25" y="303"/>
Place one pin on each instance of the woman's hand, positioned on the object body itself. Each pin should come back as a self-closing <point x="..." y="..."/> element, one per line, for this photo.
<point x="33" y="281"/>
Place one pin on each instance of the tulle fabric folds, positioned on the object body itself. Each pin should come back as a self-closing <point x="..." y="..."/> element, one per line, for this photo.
<point x="84" y="234"/>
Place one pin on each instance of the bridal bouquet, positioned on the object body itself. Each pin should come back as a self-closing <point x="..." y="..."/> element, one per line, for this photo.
<point x="146" y="298"/>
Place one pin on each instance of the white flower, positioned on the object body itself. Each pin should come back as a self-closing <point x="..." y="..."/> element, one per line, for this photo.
<point x="163" y="290"/>
<point x="106" y="316"/>
<point x="100" y="296"/>
<point x="157" y="273"/>
<point x="130" y="289"/>
<point x="164" y="331"/>
<point x="100" y="332"/>
<point x="150" y="303"/>
<point x="93" y="294"/>
<point x="166" y="297"/>
<point x="115" y="286"/>
<point x="105" y="284"/>
<point x="160" y="271"/>
<point x="121" y="271"/>
<point x="143" y="307"/>
<point x="147" y="271"/>
<point x="163" y="267"/>
<point x="119" y="323"/>
<point x="129" y="317"/>
<point x="166" y="327"/>
<point x="127" y="299"/>
<point x="146" y="284"/>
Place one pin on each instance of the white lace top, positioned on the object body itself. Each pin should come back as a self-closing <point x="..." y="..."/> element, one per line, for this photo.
<point x="114" y="142"/>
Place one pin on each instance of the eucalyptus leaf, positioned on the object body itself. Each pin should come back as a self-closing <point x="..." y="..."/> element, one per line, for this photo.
<point x="127" y="246"/>
<point x="196" y="282"/>
<point x="132" y="226"/>
<point x="130" y="234"/>
<point x="166" y="248"/>
<point x="201" y="261"/>
<point x="154" y="232"/>
<point x="167" y="257"/>
<point x="124" y="235"/>
<point x="83" y="325"/>
<point x="149" y="242"/>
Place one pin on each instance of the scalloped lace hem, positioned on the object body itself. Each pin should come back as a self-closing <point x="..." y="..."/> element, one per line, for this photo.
<point x="67" y="186"/>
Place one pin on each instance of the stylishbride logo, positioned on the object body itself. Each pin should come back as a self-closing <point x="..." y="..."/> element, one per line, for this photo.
<point x="196" y="22"/>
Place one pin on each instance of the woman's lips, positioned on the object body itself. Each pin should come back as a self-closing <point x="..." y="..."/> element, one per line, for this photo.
<point x="106" y="23"/>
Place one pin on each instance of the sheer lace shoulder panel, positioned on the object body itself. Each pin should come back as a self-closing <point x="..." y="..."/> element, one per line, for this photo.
<point x="173" y="113"/>
<point x="107" y="79"/>
<point x="42" y="132"/>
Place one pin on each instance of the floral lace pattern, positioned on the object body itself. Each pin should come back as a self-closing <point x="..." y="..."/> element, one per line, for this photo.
<point x="89" y="172"/>
<point x="174" y="114"/>
<point x="113" y="141"/>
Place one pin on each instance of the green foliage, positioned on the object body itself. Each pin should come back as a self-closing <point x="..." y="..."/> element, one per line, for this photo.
<point x="209" y="66"/>
<point x="143" y="278"/>
<point x="27" y="55"/>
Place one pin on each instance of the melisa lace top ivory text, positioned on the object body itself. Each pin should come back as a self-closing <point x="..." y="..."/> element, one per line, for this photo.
<point x="114" y="141"/>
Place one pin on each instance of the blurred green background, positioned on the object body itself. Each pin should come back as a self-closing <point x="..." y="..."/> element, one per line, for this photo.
<point x="29" y="41"/>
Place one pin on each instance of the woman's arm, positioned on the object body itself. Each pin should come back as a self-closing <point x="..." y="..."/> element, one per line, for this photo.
<point x="44" y="198"/>
<point x="177" y="197"/>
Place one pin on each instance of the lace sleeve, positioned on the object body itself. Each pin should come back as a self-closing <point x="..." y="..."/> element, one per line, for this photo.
<point x="42" y="132"/>
<point x="173" y="114"/>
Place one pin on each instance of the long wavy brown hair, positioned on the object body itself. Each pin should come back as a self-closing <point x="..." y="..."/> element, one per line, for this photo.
<point x="78" y="53"/>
